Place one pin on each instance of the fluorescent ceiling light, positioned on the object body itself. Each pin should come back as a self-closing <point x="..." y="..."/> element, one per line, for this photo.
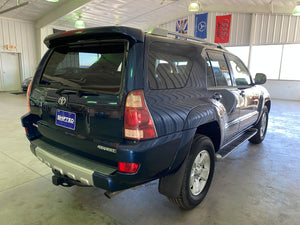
<point x="52" y="0"/>
<point x="296" y="11"/>
<point x="194" y="6"/>
<point x="79" y="23"/>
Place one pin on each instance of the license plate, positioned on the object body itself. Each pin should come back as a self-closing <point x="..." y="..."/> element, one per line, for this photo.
<point x="65" y="119"/>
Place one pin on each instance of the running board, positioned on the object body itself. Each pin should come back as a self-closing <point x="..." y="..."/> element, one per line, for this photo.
<point x="231" y="146"/>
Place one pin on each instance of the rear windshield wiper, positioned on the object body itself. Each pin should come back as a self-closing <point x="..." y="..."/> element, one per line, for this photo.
<point x="79" y="92"/>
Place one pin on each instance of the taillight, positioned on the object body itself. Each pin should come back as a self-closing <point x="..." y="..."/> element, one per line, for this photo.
<point x="28" y="95"/>
<point x="128" y="167"/>
<point x="138" y="123"/>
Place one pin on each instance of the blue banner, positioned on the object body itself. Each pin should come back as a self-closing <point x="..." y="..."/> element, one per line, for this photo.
<point x="201" y="25"/>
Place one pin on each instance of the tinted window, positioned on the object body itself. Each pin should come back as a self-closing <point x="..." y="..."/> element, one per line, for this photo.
<point x="240" y="72"/>
<point x="220" y="69"/>
<point x="96" y="67"/>
<point x="169" y="65"/>
<point x="210" y="76"/>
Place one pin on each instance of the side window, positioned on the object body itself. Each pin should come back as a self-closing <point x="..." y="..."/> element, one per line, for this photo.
<point x="210" y="80"/>
<point x="220" y="69"/>
<point x="169" y="65"/>
<point x="239" y="70"/>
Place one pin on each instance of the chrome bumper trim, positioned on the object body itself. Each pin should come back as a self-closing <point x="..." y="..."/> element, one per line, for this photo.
<point x="71" y="165"/>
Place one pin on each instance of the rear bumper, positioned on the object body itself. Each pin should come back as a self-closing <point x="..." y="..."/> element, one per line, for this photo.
<point x="155" y="158"/>
<point x="71" y="165"/>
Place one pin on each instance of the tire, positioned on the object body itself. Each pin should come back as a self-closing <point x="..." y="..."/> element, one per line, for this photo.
<point x="198" y="173"/>
<point x="262" y="127"/>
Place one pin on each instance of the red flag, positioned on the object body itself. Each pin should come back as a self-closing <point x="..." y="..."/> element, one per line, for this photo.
<point x="222" y="29"/>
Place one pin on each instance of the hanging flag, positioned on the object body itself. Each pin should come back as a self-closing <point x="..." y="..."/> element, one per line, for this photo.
<point x="222" y="29"/>
<point x="201" y="25"/>
<point x="182" y="26"/>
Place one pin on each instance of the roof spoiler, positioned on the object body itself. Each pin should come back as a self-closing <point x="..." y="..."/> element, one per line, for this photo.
<point x="95" y="34"/>
<point x="165" y="33"/>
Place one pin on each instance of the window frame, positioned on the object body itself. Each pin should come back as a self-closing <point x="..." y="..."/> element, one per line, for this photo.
<point x="227" y="55"/>
<point x="252" y="60"/>
<point x="190" y="57"/>
<point x="207" y="60"/>
<point x="229" y="72"/>
<point x="282" y="63"/>
<point x="92" y="43"/>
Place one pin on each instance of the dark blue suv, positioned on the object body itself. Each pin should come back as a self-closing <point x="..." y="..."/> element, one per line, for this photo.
<point x="114" y="108"/>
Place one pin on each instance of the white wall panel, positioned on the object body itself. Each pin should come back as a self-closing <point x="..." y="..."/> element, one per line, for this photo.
<point x="282" y="89"/>
<point x="276" y="29"/>
<point x="21" y="35"/>
<point x="45" y="31"/>
<point x="291" y="35"/>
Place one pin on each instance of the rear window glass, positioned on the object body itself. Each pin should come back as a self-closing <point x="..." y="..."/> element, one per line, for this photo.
<point x="96" y="67"/>
<point x="169" y="65"/>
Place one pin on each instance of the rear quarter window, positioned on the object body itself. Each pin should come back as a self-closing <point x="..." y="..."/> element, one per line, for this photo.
<point x="169" y="65"/>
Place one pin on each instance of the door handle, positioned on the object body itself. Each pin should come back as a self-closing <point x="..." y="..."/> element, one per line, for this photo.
<point x="242" y="93"/>
<point x="217" y="96"/>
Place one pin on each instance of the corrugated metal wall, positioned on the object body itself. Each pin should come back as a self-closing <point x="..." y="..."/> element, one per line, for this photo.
<point x="45" y="31"/>
<point x="267" y="28"/>
<point x="276" y="29"/>
<point x="22" y="35"/>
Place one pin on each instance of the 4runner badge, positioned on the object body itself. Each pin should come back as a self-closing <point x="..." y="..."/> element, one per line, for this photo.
<point x="62" y="101"/>
<point x="112" y="150"/>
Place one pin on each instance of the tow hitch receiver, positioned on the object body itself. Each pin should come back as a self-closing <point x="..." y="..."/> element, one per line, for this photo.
<point x="61" y="181"/>
<point x="58" y="179"/>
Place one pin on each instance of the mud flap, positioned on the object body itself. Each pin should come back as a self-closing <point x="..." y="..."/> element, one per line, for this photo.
<point x="170" y="185"/>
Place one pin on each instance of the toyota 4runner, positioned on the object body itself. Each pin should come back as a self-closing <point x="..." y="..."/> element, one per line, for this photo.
<point x="114" y="108"/>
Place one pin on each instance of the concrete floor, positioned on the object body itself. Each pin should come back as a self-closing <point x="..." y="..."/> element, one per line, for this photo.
<point x="257" y="184"/>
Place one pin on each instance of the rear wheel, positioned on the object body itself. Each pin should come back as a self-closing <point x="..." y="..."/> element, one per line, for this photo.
<point x="198" y="174"/>
<point x="262" y="127"/>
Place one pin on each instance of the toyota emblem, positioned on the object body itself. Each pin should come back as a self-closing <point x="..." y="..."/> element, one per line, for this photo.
<point x="62" y="101"/>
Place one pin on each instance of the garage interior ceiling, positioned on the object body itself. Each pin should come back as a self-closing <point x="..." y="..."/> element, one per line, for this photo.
<point x="143" y="14"/>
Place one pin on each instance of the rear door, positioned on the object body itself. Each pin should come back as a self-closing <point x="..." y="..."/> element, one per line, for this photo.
<point x="80" y="94"/>
<point x="223" y="94"/>
<point x="248" y="92"/>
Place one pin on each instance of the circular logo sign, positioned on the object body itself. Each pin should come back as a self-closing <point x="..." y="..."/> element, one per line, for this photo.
<point x="62" y="101"/>
<point x="202" y="26"/>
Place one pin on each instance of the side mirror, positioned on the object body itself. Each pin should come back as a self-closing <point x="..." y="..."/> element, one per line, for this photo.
<point x="260" y="78"/>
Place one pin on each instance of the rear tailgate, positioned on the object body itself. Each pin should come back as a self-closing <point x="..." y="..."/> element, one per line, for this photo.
<point x="80" y="98"/>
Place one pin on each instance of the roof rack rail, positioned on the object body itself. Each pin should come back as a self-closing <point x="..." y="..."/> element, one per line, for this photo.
<point x="164" y="32"/>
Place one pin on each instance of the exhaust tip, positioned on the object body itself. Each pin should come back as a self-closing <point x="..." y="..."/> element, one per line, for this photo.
<point x="108" y="194"/>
